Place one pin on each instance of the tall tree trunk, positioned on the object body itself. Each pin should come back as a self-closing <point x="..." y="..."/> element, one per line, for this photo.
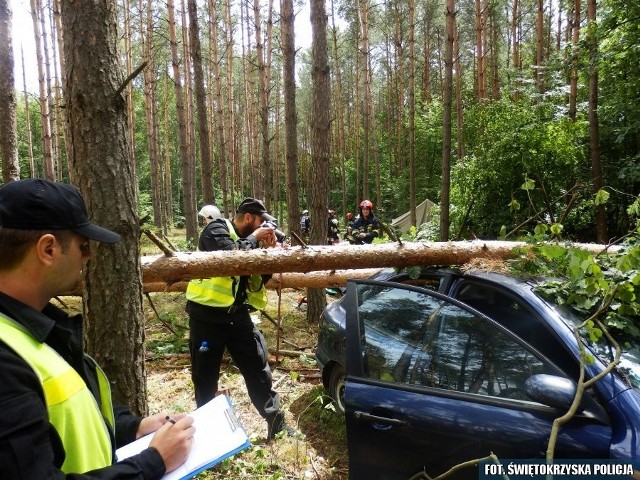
<point x="515" y="39"/>
<point x="188" y="101"/>
<point x="427" y="48"/>
<point x="250" y="106"/>
<point x="263" y="57"/>
<point x="290" y="122"/>
<point x="220" y="138"/>
<point x="594" y="126"/>
<point x="446" y="105"/>
<point x="8" y="125"/>
<point x="575" y="49"/>
<point x="341" y="152"/>
<point x="129" y="65"/>
<point x="230" y="137"/>
<point x="539" y="45"/>
<point x="150" y="104"/>
<point x="494" y="29"/>
<point x="55" y="97"/>
<point x="45" y="114"/>
<point x="47" y="57"/>
<point x="100" y="164"/>
<point x="206" y="163"/>
<point x="61" y="125"/>
<point x="459" y="106"/>
<point x="412" y="111"/>
<point x="367" y="100"/>
<point x="25" y="94"/>
<point x="187" y="164"/>
<point x="167" y="207"/>
<point x="480" y="53"/>
<point x="316" y="298"/>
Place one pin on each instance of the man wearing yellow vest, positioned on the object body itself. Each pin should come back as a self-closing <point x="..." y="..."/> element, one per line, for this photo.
<point x="56" y="416"/>
<point x="219" y="315"/>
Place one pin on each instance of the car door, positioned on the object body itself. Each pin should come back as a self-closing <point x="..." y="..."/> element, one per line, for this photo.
<point x="431" y="383"/>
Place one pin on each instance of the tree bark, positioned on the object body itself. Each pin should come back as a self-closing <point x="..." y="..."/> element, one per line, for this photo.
<point x="539" y="46"/>
<point x="8" y="125"/>
<point x="100" y="164"/>
<point x="319" y="144"/>
<point x="208" y="196"/>
<point x="446" y="142"/>
<point x="221" y="140"/>
<point x="187" y="164"/>
<point x="367" y="98"/>
<point x="316" y="267"/>
<point x="480" y="53"/>
<point x="594" y="124"/>
<point x="320" y="279"/>
<point x="45" y="114"/>
<point x="150" y="106"/>
<point x="290" y="121"/>
<point x="412" y="111"/>
<point x="575" y="49"/>
<point x="186" y="266"/>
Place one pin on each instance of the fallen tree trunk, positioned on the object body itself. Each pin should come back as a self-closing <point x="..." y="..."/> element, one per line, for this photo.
<point x="317" y="266"/>
<point x="183" y="267"/>
<point x="321" y="279"/>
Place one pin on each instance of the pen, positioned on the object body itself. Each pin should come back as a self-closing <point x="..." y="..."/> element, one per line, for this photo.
<point x="169" y="419"/>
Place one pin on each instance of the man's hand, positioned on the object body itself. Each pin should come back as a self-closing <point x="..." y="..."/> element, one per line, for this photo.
<point x="154" y="422"/>
<point x="173" y="442"/>
<point x="266" y="236"/>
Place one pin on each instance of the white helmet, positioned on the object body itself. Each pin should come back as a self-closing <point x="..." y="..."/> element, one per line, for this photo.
<point x="210" y="212"/>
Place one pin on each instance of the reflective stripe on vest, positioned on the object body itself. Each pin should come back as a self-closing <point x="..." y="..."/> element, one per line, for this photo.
<point x="220" y="291"/>
<point x="73" y="410"/>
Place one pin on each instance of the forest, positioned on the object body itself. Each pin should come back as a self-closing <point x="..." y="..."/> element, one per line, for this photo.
<point x="508" y="114"/>
<point x="518" y="118"/>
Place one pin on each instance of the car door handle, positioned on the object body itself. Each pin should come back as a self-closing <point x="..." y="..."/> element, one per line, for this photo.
<point x="378" y="419"/>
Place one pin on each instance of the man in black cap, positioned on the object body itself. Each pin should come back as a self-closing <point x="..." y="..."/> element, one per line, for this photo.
<point x="57" y="418"/>
<point x="219" y="316"/>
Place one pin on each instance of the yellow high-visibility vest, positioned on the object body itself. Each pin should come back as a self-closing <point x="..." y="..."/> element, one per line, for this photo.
<point x="73" y="410"/>
<point x="221" y="291"/>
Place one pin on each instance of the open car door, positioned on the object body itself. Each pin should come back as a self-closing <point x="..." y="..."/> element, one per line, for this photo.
<point x="432" y="383"/>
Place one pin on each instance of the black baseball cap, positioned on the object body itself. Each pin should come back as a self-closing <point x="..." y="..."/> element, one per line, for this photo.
<point x="256" y="207"/>
<point x="39" y="204"/>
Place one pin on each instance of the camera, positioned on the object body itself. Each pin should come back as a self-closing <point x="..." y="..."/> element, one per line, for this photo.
<point x="280" y="236"/>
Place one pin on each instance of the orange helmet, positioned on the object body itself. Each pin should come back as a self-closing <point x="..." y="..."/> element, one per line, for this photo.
<point x="366" y="204"/>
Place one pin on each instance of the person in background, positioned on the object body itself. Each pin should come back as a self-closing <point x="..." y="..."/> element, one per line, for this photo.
<point x="366" y="226"/>
<point x="208" y="214"/>
<point x="304" y="222"/>
<point x="348" y="230"/>
<point x="333" y="230"/>
<point x="57" y="417"/>
<point x="219" y="316"/>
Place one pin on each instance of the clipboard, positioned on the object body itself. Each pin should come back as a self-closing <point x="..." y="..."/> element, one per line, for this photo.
<point x="219" y="435"/>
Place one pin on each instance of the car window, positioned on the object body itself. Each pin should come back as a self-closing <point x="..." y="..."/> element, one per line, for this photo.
<point x="515" y="315"/>
<point x="413" y="338"/>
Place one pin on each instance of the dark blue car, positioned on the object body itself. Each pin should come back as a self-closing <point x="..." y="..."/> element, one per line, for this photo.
<point x="448" y="367"/>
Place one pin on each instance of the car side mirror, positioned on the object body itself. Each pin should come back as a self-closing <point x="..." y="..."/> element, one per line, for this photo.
<point x="551" y="390"/>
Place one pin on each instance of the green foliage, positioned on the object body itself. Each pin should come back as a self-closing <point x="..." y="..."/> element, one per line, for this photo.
<point x="522" y="157"/>
<point x="606" y="284"/>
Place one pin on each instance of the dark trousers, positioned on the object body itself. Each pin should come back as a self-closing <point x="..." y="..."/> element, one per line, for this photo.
<point x="245" y="343"/>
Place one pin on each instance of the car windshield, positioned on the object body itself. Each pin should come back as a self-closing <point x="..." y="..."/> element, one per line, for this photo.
<point x="629" y="367"/>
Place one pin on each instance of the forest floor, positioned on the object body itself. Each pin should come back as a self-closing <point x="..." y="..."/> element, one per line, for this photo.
<point x="320" y="449"/>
